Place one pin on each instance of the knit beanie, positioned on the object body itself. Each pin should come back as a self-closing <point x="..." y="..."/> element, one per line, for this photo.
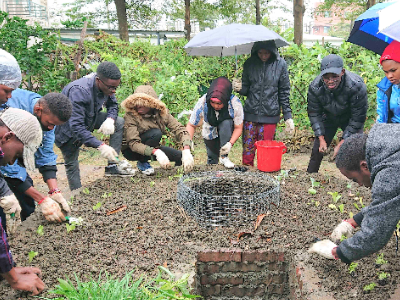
<point x="10" y="73"/>
<point x="27" y="129"/>
<point x="392" y="52"/>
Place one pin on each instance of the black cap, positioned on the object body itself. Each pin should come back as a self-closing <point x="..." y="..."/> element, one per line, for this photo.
<point x="331" y="64"/>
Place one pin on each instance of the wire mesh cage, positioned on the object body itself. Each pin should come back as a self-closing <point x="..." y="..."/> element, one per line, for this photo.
<point x="226" y="198"/>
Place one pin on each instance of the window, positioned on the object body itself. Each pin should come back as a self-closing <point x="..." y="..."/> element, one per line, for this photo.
<point x="327" y="14"/>
<point x="326" y="29"/>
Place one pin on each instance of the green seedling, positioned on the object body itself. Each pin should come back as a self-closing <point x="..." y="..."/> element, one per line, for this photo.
<point x="72" y="199"/>
<point x="70" y="227"/>
<point x="152" y="183"/>
<point x="31" y="255"/>
<point x="351" y="215"/>
<point x="335" y="196"/>
<point x="369" y="287"/>
<point x="170" y="178"/>
<point x="383" y="275"/>
<point x="352" y="267"/>
<point x="349" y="186"/>
<point x="361" y="202"/>
<point x="332" y="206"/>
<point x="315" y="183"/>
<point x="86" y="191"/>
<point x="343" y="237"/>
<point x="316" y="203"/>
<point x="341" y="208"/>
<point x="135" y="180"/>
<point x="39" y="230"/>
<point x="97" y="206"/>
<point x="312" y="191"/>
<point x="158" y="175"/>
<point x="105" y="195"/>
<point x="380" y="260"/>
<point x="356" y="206"/>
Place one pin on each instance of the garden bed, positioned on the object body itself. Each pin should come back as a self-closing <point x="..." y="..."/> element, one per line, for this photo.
<point x="154" y="231"/>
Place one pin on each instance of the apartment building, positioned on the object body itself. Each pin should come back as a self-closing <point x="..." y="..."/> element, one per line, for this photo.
<point x="32" y="10"/>
<point x="326" y="20"/>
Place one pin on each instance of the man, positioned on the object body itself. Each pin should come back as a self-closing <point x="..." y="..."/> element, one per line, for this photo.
<point x="51" y="110"/>
<point x="337" y="98"/>
<point x="20" y="136"/>
<point x="372" y="161"/>
<point x="88" y="95"/>
<point x="10" y="75"/>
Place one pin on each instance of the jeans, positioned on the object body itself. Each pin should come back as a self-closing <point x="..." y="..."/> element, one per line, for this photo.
<point x="225" y="130"/>
<point x="70" y="150"/>
<point x="152" y="138"/>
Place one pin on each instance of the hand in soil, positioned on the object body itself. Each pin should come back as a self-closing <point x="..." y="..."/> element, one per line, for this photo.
<point x="27" y="279"/>
<point x="344" y="228"/>
<point x="323" y="248"/>
<point x="58" y="197"/>
<point x="51" y="210"/>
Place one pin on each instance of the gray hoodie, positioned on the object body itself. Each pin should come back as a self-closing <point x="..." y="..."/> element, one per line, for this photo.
<point x="378" y="220"/>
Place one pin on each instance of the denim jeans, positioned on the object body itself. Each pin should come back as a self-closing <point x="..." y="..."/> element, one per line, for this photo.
<point x="225" y="130"/>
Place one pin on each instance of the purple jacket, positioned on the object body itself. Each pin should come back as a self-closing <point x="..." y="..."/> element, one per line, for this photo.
<point x="6" y="261"/>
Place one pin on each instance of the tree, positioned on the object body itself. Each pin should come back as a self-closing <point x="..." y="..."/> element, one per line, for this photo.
<point x="298" y="13"/>
<point x="258" y="15"/>
<point x="187" y="19"/>
<point x="122" y="20"/>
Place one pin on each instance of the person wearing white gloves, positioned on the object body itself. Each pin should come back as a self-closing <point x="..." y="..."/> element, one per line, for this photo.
<point x="265" y="82"/>
<point x="146" y="121"/>
<point x="222" y="115"/>
<point x="373" y="161"/>
<point x="88" y="95"/>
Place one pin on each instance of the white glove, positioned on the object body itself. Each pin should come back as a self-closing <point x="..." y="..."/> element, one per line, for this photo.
<point x="225" y="149"/>
<point x="344" y="228"/>
<point x="237" y="85"/>
<point x="58" y="197"/>
<point x="126" y="166"/>
<point x="108" y="153"/>
<point x="323" y="248"/>
<point x="10" y="205"/>
<point x="162" y="159"/>
<point x="107" y="127"/>
<point x="51" y="210"/>
<point x="289" y="126"/>
<point x="12" y="223"/>
<point x="187" y="160"/>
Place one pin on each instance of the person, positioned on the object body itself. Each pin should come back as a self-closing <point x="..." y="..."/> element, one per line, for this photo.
<point x="388" y="94"/>
<point x="371" y="160"/>
<point x="20" y="136"/>
<point x="222" y="113"/>
<point x="337" y="98"/>
<point x="88" y="94"/>
<point x="146" y="121"/>
<point x="51" y="110"/>
<point x="10" y="75"/>
<point x="265" y="82"/>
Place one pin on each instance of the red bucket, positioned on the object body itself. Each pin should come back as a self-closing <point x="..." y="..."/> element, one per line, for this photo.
<point x="269" y="155"/>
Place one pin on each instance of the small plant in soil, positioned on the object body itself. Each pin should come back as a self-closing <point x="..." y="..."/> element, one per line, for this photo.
<point x="351" y="215"/>
<point x="352" y="268"/>
<point x="135" y="180"/>
<point x="72" y="200"/>
<point x="349" y="185"/>
<point x="70" y="227"/>
<point x="369" y="287"/>
<point x="314" y="184"/>
<point x="341" y="208"/>
<point x="32" y="255"/>
<point x="380" y="260"/>
<point x="39" y="230"/>
<point x="106" y="195"/>
<point x="383" y="278"/>
<point x="335" y="196"/>
<point x="97" y="206"/>
<point x="86" y="191"/>
<point x="152" y="183"/>
<point x="332" y="206"/>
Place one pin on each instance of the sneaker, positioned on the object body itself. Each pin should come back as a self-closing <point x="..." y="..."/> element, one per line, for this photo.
<point x="145" y="168"/>
<point x="226" y="162"/>
<point x="116" y="170"/>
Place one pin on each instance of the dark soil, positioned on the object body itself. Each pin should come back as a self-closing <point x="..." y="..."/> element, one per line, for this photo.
<point x="153" y="231"/>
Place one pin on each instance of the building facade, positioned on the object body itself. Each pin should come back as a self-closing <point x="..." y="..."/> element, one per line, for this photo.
<point x="326" y="20"/>
<point x="32" y="10"/>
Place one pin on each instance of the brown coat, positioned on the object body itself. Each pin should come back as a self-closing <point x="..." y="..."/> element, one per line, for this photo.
<point x="160" y="118"/>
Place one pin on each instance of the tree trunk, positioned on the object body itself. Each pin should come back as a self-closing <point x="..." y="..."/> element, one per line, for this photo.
<point x="258" y="15"/>
<point x="298" y="13"/>
<point x="122" y="20"/>
<point x="370" y="3"/>
<point x="187" y="19"/>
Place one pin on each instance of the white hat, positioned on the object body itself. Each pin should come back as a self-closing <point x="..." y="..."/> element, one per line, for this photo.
<point x="10" y="73"/>
<point x="27" y="129"/>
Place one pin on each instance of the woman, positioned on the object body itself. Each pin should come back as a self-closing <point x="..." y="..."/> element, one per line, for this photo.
<point x="146" y="120"/>
<point x="265" y="82"/>
<point x="388" y="94"/>
<point x="223" y="121"/>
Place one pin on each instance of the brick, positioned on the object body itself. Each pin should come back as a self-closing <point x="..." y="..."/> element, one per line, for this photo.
<point x="207" y="268"/>
<point x="235" y="291"/>
<point x="212" y="290"/>
<point x="207" y="256"/>
<point x="221" y="255"/>
<point x="203" y="279"/>
<point x="249" y="256"/>
<point x="231" y="267"/>
<point x="277" y="278"/>
<point x="277" y="289"/>
<point x="255" y="292"/>
<point x="227" y="280"/>
<point x="252" y="280"/>
<point x="252" y="268"/>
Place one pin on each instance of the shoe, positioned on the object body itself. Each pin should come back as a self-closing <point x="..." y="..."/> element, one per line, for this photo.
<point x="145" y="168"/>
<point x="226" y="162"/>
<point x="117" y="170"/>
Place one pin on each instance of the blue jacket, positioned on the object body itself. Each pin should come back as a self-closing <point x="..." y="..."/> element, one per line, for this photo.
<point x="383" y="98"/>
<point x="87" y="101"/>
<point x="45" y="155"/>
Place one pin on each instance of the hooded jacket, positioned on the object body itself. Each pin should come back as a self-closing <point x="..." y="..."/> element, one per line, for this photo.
<point x="159" y="117"/>
<point x="378" y="220"/>
<point x="386" y="90"/>
<point x="266" y="85"/>
<point x="349" y="101"/>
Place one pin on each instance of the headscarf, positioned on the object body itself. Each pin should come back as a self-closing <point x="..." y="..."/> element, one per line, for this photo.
<point x="220" y="88"/>
<point x="10" y="73"/>
<point x="392" y="52"/>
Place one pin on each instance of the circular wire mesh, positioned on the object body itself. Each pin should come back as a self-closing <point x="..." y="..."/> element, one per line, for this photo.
<point x="226" y="198"/>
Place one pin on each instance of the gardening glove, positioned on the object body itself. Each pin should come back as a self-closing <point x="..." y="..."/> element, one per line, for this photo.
<point x="237" y="85"/>
<point x="225" y="149"/>
<point x="187" y="160"/>
<point x="289" y="126"/>
<point x="10" y="205"/>
<point x="12" y="221"/>
<point x="344" y="228"/>
<point x="127" y="167"/>
<point x="107" y="127"/>
<point x="51" y="210"/>
<point x="162" y="159"/>
<point x="58" y="197"/>
<point x="323" y="248"/>
<point x="108" y="153"/>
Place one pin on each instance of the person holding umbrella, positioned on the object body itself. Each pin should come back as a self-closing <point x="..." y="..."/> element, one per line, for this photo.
<point x="265" y="82"/>
<point x="388" y="94"/>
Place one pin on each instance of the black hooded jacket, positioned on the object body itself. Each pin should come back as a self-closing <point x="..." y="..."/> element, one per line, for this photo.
<point x="266" y="86"/>
<point x="348" y="102"/>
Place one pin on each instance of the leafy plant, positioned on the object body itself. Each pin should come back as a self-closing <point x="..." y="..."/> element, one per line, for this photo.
<point x="335" y="196"/>
<point x="351" y="215"/>
<point x="72" y="199"/>
<point x="332" y="206"/>
<point x="86" y="191"/>
<point x="105" y="195"/>
<point x="380" y="260"/>
<point x="383" y="275"/>
<point x="32" y="255"/>
<point x="312" y="191"/>
<point x="70" y="227"/>
<point x="39" y="230"/>
<point x="341" y="208"/>
<point x="152" y="183"/>
<point x="352" y="267"/>
<point x="369" y="287"/>
<point x="356" y="206"/>
<point x="348" y="185"/>
<point x="97" y="206"/>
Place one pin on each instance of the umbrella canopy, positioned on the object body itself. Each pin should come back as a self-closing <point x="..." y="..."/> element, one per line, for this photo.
<point x="366" y="33"/>
<point x="231" y="39"/>
<point x="389" y="21"/>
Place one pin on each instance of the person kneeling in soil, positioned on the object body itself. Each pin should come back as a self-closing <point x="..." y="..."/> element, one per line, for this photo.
<point x="371" y="160"/>
<point x="146" y="121"/>
<point x="20" y="136"/>
<point x="223" y="121"/>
